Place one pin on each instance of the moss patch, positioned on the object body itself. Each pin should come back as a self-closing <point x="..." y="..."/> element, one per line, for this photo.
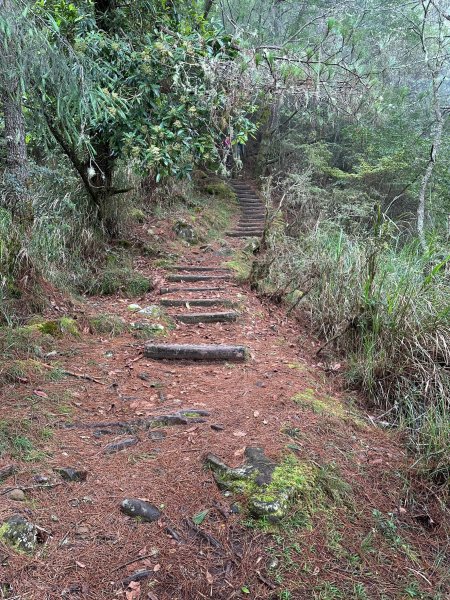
<point x="22" y="369"/>
<point x="220" y="189"/>
<point x="308" y="399"/>
<point x="57" y="327"/>
<point x="241" y="264"/>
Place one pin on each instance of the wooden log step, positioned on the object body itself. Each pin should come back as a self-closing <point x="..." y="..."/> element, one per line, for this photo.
<point x="203" y="352"/>
<point x="198" y="277"/>
<point x="223" y="317"/>
<point x="198" y="302"/>
<point x="198" y="269"/>
<point x="244" y="234"/>
<point x="173" y="290"/>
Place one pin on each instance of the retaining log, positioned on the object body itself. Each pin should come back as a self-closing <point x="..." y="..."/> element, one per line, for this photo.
<point x="173" y="290"/>
<point x="223" y="317"/>
<point x="198" y="302"/>
<point x="197" y="277"/>
<point x="197" y="352"/>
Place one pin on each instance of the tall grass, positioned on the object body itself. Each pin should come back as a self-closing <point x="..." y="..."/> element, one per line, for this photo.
<point x="386" y="305"/>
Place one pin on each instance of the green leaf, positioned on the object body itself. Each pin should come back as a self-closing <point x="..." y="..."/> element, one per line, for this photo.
<point x="245" y="590"/>
<point x="200" y="517"/>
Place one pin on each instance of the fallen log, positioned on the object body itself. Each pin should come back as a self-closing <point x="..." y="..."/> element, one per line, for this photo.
<point x="201" y="352"/>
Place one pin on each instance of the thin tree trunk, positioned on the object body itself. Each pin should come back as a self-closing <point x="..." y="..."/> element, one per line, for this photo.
<point x="437" y="140"/>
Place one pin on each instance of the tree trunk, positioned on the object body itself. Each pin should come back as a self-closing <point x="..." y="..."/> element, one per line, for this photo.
<point x="437" y="139"/>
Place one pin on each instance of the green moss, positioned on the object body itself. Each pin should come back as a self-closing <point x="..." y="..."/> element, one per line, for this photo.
<point x="56" y="328"/>
<point x="136" y="214"/>
<point x="241" y="264"/>
<point x="307" y="399"/>
<point x="220" y="189"/>
<point x="107" y="324"/>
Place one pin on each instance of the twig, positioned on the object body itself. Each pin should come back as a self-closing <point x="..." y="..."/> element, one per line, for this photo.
<point x="130" y="562"/>
<point x="31" y="487"/>
<point x="77" y="375"/>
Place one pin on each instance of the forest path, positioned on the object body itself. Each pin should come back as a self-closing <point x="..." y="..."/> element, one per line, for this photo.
<point x="279" y="399"/>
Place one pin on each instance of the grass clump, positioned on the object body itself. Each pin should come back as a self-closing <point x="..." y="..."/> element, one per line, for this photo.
<point x="384" y="304"/>
<point x="241" y="264"/>
<point x="116" y="279"/>
<point x="21" y="370"/>
<point x="107" y="324"/>
<point x="18" y="439"/>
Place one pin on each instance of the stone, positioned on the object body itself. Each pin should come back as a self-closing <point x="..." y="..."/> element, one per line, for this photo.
<point x="20" y="534"/>
<point x="267" y="497"/>
<point x="136" y="508"/>
<point x="185" y="231"/>
<point x="151" y="311"/>
<point x="18" y="495"/>
<point x="71" y="474"/>
<point x="133" y="307"/>
<point x="217" y="427"/>
<point x="41" y="479"/>
<point x="119" y="445"/>
<point x="157" y="435"/>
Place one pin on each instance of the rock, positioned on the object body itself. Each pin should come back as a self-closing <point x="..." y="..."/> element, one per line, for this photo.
<point x="157" y="435"/>
<point x="144" y="376"/>
<point x="70" y="474"/>
<point x="139" y="508"/>
<point x="267" y="496"/>
<point x="185" y="231"/>
<point x="133" y="307"/>
<point x="119" y="445"/>
<point x="18" y="495"/>
<point x="151" y="311"/>
<point x="19" y="534"/>
<point x="41" y="479"/>
<point x="217" y="427"/>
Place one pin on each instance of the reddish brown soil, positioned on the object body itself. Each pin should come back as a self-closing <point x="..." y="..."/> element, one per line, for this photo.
<point x="93" y="546"/>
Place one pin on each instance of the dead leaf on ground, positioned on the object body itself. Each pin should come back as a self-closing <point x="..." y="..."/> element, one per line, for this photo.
<point x="239" y="433"/>
<point x="209" y="578"/>
<point x="134" y="591"/>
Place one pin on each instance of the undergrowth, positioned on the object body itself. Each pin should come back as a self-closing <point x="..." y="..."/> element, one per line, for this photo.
<point x="382" y="302"/>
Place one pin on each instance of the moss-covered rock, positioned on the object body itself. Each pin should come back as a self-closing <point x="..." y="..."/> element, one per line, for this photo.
<point x="19" y="534"/>
<point x="185" y="231"/>
<point x="56" y="327"/>
<point x="268" y="487"/>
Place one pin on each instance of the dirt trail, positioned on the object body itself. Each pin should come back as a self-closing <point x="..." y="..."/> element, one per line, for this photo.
<point x="94" y="547"/>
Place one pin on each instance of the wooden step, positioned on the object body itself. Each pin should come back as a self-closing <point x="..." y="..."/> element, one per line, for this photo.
<point x="173" y="290"/>
<point x="198" y="302"/>
<point x="198" y="277"/>
<point x="222" y="317"/>
<point x="244" y="234"/>
<point x="203" y="352"/>
<point x="198" y="269"/>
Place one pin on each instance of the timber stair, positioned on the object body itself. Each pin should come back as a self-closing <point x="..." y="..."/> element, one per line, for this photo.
<point x="253" y="212"/>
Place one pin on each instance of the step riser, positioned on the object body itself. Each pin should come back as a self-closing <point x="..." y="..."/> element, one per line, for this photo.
<point x="198" y="302"/>
<point x="173" y="290"/>
<point x="237" y="235"/>
<point x="198" y="269"/>
<point x="207" y="353"/>
<point x="207" y="318"/>
<point x="198" y="277"/>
